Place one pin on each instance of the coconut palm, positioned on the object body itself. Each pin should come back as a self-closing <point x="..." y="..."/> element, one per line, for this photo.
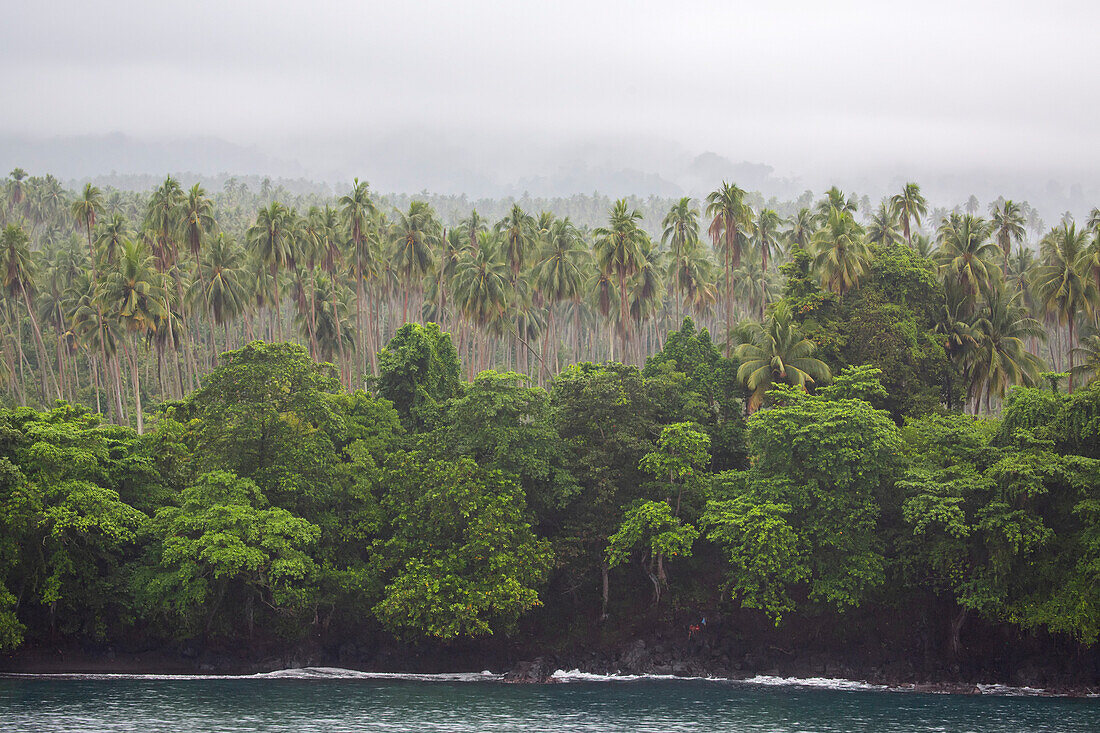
<point x="840" y="252"/>
<point x="766" y="239"/>
<point x="557" y="275"/>
<point x="730" y="219"/>
<point x="270" y="242"/>
<point x="1063" y="284"/>
<point x="800" y="228"/>
<point x="196" y="219"/>
<point x="618" y="250"/>
<point x="162" y="218"/>
<point x="110" y="236"/>
<point x="1008" y="227"/>
<point x="519" y="233"/>
<point x="972" y="205"/>
<point x="17" y="268"/>
<point x="883" y="227"/>
<point x="482" y="288"/>
<point x="778" y="353"/>
<point x="835" y="200"/>
<point x="1002" y="359"/>
<point x="85" y="210"/>
<point x="415" y="236"/>
<point x="473" y="225"/>
<point x="967" y="254"/>
<point x="133" y="294"/>
<point x="681" y="236"/>
<point x="1088" y="351"/>
<point x="909" y="206"/>
<point x="359" y="214"/>
<point x="220" y="287"/>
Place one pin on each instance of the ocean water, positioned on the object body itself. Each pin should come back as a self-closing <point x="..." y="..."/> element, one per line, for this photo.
<point x="323" y="699"/>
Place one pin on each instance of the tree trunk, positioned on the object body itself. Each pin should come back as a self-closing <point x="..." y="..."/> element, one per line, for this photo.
<point x="604" y="572"/>
<point x="135" y="379"/>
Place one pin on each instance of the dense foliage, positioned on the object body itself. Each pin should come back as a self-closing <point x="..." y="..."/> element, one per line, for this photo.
<point x="841" y="450"/>
<point x="270" y="503"/>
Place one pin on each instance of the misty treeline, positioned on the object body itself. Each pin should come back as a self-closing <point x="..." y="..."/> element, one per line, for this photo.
<point x="120" y="300"/>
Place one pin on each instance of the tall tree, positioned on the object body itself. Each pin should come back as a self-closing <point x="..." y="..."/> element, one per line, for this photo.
<point x="358" y="209"/>
<point x="618" y="249"/>
<point x="730" y="217"/>
<point x="909" y="206"/>
<point x="840" y="252"/>
<point x="1008" y="227"/>
<point x="18" y="269"/>
<point x="85" y="210"/>
<point x="1063" y="283"/>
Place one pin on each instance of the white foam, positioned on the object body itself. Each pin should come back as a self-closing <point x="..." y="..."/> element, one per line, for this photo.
<point x="827" y="683"/>
<point x="575" y="675"/>
<point x="1007" y="690"/>
<point x="300" y="673"/>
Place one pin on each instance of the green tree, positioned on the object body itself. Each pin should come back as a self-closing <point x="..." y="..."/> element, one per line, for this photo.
<point x="418" y="372"/>
<point x="778" y="353"/>
<point x="806" y="514"/>
<point x="223" y="557"/>
<point x="909" y="206"/>
<point x="462" y="560"/>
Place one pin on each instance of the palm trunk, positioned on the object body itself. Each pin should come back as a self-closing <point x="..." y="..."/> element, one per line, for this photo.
<point x="43" y="362"/>
<point x="135" y="379"/>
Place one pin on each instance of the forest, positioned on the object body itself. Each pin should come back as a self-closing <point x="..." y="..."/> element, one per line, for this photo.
<point x="227" y="418"/>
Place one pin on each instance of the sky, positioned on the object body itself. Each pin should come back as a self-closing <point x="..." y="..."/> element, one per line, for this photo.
<point x="518" y="89"/>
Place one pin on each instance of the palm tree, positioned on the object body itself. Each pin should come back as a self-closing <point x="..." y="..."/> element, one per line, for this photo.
<point x="18" y="269"/>
<point x="85" y="209"/>
<point x="960" y="334"/>
<point x="111" y="235"/>
<point x="966" y="253"/>
<point x="883" y="227"/>
<point x="133" y="294"/>
<point x="358" y="210"/>
<point x="766" y="234"/>
<point x="196" y="216"/>
<point x="519" y="231"/>
<point x="778" y="353"/>
<point x="1008" y="226"/>
<point x="270" y="242"/>
<point x="162" y="217"/>
<point x="835" y="200"/>
<point x="220" y="286"/>
<point x="841" y="252"/>
<point x="1063" y="284"/>
<point x="557" y="275"/>
<point x="473" y="225"/>
<point x="730" y="217"/>
<point x="1002" y="357"/>
<point x="972" y="205"/>
<point x="618" y="250"/>
<point x="801" y="228"/>
<point x="16" y="187"/>
<point x="415" y="235"/>
<point x="481" y="290"/>
<point x="1089" y="351"/>
<point x="909" y="206"/>
<point x="681" y="235"/>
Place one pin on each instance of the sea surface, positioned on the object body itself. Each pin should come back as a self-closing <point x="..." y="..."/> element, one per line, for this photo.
<point x="323" y="699"/>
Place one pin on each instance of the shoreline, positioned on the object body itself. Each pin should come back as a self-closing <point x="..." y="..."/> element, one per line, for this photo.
<point x="126" y="667"/>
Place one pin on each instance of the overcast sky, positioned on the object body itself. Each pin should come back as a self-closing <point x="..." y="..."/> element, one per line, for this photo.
<point x="801" y="85"/>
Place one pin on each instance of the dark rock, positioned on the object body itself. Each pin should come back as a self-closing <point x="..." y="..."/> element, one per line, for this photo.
<point x="529" y="672"/>
<point x="635" y="658"/>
